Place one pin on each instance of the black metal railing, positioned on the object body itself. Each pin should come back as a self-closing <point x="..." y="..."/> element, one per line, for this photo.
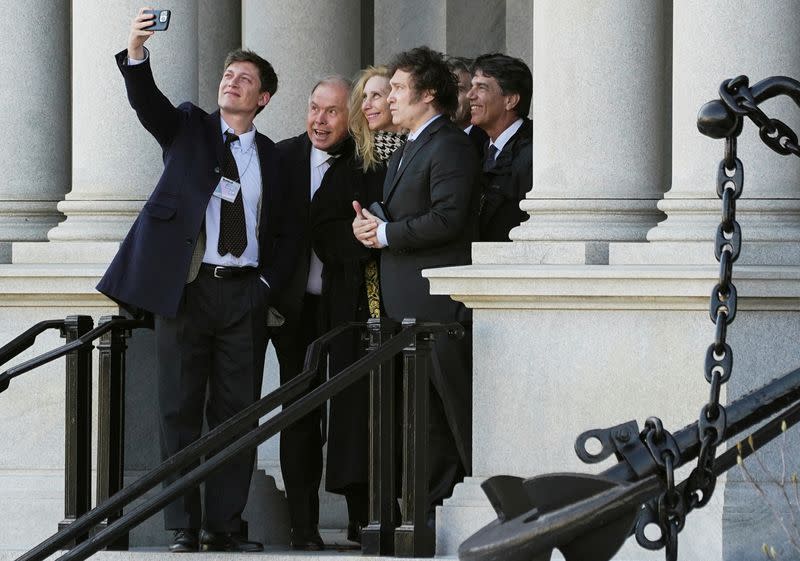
<point x="80" y="337"/>
<point x="411" y="538"/>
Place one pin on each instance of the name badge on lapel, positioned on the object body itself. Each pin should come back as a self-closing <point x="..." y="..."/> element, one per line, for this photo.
<point x="227" y="189"/>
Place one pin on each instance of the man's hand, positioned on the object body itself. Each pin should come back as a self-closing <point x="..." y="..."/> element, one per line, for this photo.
<point x="139" y="35"/>
<point x="365" y="227"/>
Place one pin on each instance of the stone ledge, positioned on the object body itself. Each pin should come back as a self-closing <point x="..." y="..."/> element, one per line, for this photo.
<point x="685" y="287"/>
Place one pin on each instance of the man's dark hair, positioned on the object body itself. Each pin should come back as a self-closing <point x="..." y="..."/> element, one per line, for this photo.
<point x="459" y="64"/>
<point x="266" y="74"/>
<point x="429" y="72"/>
<point x="512" y="75"/>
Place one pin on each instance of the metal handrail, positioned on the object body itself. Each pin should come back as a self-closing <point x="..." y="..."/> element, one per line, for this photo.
<point x="253" y="438"/>
<point x="81" y="342"/>
<point x="213" y="439"/>
<point x="26" y="339"/>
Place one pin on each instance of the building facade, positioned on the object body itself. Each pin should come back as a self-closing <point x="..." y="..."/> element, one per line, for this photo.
<point x="595" y="313"/>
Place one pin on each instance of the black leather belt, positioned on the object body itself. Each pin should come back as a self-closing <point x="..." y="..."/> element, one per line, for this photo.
<point x="219" y="272"/>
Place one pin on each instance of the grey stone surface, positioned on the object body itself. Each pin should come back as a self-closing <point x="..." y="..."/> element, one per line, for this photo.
<point x="304" y="40"/>
<point x="519" y="24"/>
<point x="749" y="39"/>
<point x="475" y="27"/>
<point x="589" y="58"/>
<point x="402" y="25"/>
<point x="219" y="26"/>
<point x="113" y="173"/>
<point x="35" y="110"/>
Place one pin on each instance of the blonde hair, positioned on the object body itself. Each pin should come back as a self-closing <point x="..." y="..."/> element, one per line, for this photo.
<point x="357" y="123"/>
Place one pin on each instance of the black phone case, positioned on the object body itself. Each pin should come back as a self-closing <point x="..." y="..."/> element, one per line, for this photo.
<point x="159" y="25"/>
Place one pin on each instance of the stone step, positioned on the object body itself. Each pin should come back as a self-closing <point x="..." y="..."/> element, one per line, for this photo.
<point x="270" y="553"/>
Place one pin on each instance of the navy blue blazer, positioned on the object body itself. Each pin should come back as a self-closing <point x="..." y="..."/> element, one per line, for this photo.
<point x="150" y="269"/>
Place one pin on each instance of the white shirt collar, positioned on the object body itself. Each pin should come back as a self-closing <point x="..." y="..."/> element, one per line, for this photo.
<point x="416" y="133"/>
<point x="506" y="135"/>
<point x="318" y="157"/>
<point x="245" y="140"/>
<point x="468" y="129"/>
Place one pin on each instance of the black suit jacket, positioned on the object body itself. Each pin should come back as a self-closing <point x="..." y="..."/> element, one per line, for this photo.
<point x="295" y="154"/>
<point x="433" y="202"/>
<point x="151" y="266"/>
<point x="505" y="184"/>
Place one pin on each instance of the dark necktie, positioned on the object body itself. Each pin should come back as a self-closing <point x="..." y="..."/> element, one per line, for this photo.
<point x="232" y="227"/>
<point x="406" y="148"/>
<point x="489" y="162"/>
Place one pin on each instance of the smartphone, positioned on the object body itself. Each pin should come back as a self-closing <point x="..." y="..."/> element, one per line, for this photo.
<point x="160" y="22"/>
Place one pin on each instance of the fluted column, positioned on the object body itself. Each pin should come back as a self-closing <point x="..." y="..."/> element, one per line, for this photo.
<point x="35" y="117"/>
<point x="116" y="163"/>
<point x="601" y="135"/>
<point x="304" y="40"/>
<point x="758" y="39"/>
<point x="403" y="25"/>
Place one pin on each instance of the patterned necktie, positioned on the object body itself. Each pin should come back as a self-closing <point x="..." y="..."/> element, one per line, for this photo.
<point x="232" y="227"/>
<point x="406" y="147"/>
<point x="489" y="162"/>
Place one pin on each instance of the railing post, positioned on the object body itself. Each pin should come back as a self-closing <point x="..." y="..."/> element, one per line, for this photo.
<point x="378" y="537"/>
<point x="111" y="419"/>
<point x="78" y="425"/>
<point x="413" y="538"/>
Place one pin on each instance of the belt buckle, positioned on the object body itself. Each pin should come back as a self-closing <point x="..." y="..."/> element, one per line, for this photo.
<point x="218" y="272"/>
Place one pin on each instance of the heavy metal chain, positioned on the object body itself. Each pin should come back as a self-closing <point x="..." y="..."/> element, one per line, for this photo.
<point x="672" y="507"/>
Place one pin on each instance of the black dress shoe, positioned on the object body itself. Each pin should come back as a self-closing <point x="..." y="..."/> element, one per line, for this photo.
<point x="218" y="541"/>
<point x="184" y="541"/>
<point x="307" y="539"/>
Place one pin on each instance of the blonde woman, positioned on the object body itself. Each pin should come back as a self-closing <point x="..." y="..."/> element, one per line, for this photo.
<point x="350" y="290"/>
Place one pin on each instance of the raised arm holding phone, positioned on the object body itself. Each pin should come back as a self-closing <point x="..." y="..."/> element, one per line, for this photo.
<point x="209" y="253"/>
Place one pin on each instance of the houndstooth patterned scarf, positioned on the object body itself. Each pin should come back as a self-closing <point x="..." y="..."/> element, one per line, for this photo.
<point x="386" y="143"/>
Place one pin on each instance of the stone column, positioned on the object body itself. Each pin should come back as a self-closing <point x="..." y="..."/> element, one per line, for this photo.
<point x="304" y="40"/>
<point x="519" y="23"/>
<point x="116" y="163"/>
<point x="35" y="115"/>
<point x="411" y="23"/>
<point x="221" y="25"/>
<point x="757" y="39"/>
<point x="602" y="129"/>
<point x="476" y="27"/>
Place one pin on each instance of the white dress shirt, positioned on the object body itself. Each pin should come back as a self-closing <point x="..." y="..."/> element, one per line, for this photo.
<point x="246" y="155"/>
<point x="505" y="136"/>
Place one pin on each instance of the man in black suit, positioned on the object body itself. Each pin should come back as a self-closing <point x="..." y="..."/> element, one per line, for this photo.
<point x="431" y="196"/>
<point x="500" y="99"/>
<point x="214" y="244"/>
<point x="461" y="68"/>
<point x="307" y="158"/>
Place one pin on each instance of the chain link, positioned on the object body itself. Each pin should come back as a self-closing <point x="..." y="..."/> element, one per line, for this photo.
<point x="670" y="509"/>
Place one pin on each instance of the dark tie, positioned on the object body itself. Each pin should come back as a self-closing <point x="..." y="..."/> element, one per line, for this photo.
<point x="489" y="162"/>
<point x="232" y="227"/>
<point x="406" y="148"/>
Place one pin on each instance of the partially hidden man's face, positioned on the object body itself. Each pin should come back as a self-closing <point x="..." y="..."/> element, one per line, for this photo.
<point x="408" y="106"/>
<point x="326" y="122"/>
<point x="239" y="89"/>
<point x="462" y="116"/>
<point x="487" y="101"/>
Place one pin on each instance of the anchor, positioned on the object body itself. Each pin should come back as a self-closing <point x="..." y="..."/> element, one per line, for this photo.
<point x="589" y="517"/>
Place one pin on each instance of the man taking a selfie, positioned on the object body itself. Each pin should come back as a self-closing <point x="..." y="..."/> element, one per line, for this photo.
<point x="209" y="252"/>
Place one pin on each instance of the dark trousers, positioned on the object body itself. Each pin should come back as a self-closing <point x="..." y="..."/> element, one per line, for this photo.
<point x="301" y="442"/>
<point x="211" y="361"/>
